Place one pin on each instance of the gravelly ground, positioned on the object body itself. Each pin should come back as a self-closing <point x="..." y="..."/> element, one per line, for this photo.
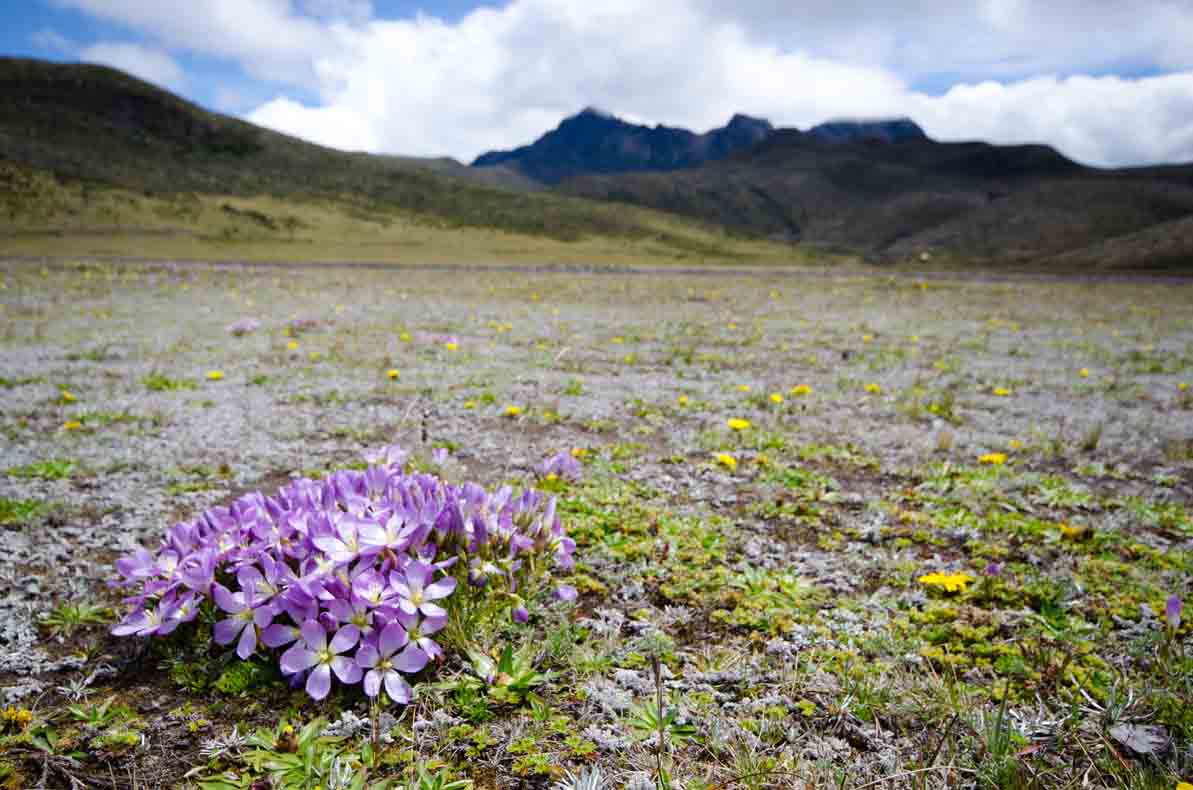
<point x="596" y="360"/>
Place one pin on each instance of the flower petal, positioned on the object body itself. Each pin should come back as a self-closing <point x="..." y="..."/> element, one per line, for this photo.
<point x="346" y="669"/>
<point x="367" y="656"/>
<point x="225" y="631"/>
<point x="393" y="639"/>
<point x="247" y="643"/>
<point x="410" y="660"/>
<point x="372" y="683"/>
<point x="345" y="638"/>
<point x="298" y="658"/>
<point x="313" y="635"/>
<point x="398" y="689"/>
<point x="441" y="588"/>
<point x="280" y="634"/>
<point x="319" y="683"/>
<point x="225" y="600"/>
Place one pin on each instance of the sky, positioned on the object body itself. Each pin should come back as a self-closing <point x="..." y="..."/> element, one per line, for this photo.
<point x="1107" y="82"/>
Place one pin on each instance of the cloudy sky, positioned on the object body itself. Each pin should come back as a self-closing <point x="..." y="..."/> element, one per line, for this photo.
<point x="1108" y="82"/>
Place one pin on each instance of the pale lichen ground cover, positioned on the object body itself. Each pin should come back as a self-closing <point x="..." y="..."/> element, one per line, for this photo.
<point x="1029" y="438"/>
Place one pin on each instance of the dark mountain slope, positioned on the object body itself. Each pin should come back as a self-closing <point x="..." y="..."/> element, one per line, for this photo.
<point x="595" y="142"/>
<point x="894" y="199"/>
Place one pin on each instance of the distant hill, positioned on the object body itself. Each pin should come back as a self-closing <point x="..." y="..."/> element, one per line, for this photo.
<point x="895" y="130"/>
<point x="99" y="127"/>
<point x="890" y="192"/>
<point x="880" y="188"/>
<point x="595" y="142"/>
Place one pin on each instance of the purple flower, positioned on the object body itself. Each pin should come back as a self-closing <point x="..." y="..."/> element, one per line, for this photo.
<point x="520" y="615"/>
<point x="197" y="571"/>
<point x="264" y="586"/>
<point x="158" y="621"/>
<point x="243" y="326"/>
<point x="355" y="610"/>
<point x="1172" y="612"/>
<point x="371" y="587"/>
<point x="416" y="591"/>
<point x="420" y="632"/>
<point x="314" y="653"/>
<point x="391" y="455"/>
<point x="565" y="592"/>
<point x="393" y="537"/>
<point x="344" y="545"/>
<point x="384" y="665"/>
<point x="243" y="623"/>
<point x="562" y="465"/>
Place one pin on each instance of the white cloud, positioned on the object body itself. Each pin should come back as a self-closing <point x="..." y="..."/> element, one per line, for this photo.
<point x="1096" y="120"/>
<point x="501" y="76"/>
<point x="978" y="38"/>
<point x="334" y="126"/>
<point x="151" y="65"/>
<point x="267" y="37"/>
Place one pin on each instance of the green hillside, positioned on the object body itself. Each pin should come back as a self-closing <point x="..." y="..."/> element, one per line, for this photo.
<point x="88" y="150"/>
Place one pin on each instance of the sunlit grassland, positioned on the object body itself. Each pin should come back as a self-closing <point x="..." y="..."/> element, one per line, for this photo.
<point x="43" y="216"/>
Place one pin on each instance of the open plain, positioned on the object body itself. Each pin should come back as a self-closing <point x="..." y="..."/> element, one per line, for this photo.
<point x="854" y="528"/>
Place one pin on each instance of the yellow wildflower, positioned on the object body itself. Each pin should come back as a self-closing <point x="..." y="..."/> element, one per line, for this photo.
<point x="801" y="389"/>
<point x="68" y="397"/>
<point x="1001" y="392"/>
<point x="617" y="341"/>
<point x="874" y="389"/>
<point x="915" y="338"/>
<point x="392" y="374"/>
<point x="776" y="397"/>
<point x="867" y="338"/>
<point x="215" y="375"/>
<point x="1073" y="532"/>
<point x="1083" y="373"/>
<point x="18" y="717"/>
<point x="292" y="345"/>
<point x="682" y="400"/>
<point x="1014" y="444"/>
<point x="513" y="411"/>
<point x="579" y="453"/>
<point x="728" y="461"/>
<point x="950" y="582"/>
<point x="405" y="337"/>
<point x="743" y="387"/>
<point x="71" y="425"/>
<point x="628" y="359"/>
<point x="1183" y="786"/>
<point x="993" y="459"/>
<point x="1183" y="387"/>
<point x="731" y="325"/>
<point x="451" y="346"/>
<point x="469" y="404"/>
<point x="761" y="460"/>
<point x="314" y="356"/>
<point x="737" y="423"/>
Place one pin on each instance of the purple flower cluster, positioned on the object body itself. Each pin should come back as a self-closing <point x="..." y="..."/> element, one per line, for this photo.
<point x="353" y="575"/>
<point x="561" y="465"/>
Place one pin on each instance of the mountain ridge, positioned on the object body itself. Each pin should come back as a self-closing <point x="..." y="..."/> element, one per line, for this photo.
<point x="594" y="141"/>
